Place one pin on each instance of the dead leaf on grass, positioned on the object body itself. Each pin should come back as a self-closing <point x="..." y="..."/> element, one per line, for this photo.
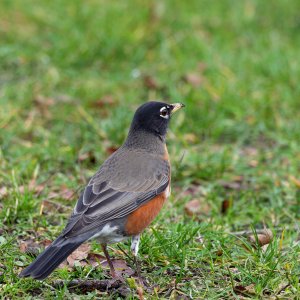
<point x="121" y="267"/>
<point x="193" y="79"/>
<point x="95" y="259"/>
<point x="236" y="183"/>
<point x="30" y="247"/>
<point x="150" y="82"/>
<point x="226" y="204"/>
<point x="87" y="156"/>
<point x="263" y="238"/>
<point x="64" y="193"/>
<point x="197" y="207"/>
<point x="194" y="190"/>
<point x="106" y="100"/>
<point x="32" y="187"/>
<point x="79" y="254"/>
<point x="245" y="290"/>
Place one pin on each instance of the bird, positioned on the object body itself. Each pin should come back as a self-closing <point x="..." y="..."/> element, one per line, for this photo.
<point x="123" y="197"/>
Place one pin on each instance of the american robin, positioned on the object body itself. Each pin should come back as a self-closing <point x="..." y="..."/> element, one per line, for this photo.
<point x="123" y="197"/>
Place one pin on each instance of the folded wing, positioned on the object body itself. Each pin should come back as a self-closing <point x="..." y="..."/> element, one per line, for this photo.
<point x="125" y="181"/>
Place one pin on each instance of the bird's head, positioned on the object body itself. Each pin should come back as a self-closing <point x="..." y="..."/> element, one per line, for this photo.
<point x="154" y="117"/>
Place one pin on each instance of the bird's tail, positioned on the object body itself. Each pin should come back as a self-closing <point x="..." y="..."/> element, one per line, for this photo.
<point x="50" y="259"/>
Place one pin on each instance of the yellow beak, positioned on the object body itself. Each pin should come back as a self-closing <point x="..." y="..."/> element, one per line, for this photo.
<point x="176" y="106"/>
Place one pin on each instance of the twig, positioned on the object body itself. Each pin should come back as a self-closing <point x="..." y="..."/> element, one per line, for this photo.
<point x="88" y="285"/>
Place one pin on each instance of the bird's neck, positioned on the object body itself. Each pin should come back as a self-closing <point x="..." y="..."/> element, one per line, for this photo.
<point x="146" y="141"/>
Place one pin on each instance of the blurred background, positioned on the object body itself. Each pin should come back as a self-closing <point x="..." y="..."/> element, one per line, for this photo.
<point x="73" y="73"/>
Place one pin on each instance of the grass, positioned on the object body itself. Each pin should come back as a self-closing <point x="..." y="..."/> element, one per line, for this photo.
<point x="59" y="58"/>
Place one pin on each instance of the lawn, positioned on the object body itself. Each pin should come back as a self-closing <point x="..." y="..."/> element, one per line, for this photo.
<point x="72" y="75"/>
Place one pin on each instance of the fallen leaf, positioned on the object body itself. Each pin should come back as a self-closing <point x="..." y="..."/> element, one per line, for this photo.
<point x="120" y="267"/>
<point x="226" y="204"/>
<point x="87" y="156"/>
<point x="106" y="100"/>
<point x="32" y="187"/>
<point x="30" y="247"/>
<point x="237" y="183"/>
<point x="79" y="254"/>
<point x="245" y="290"/>
<point x="197" y="207"/>
<point x="95" y="259"/>
<point x="64" y="193"/>
<point x="263" y="238"/>
<point x="193" y="79"/>
<point x="194" y="190"/>
<point x="150" y="82"/>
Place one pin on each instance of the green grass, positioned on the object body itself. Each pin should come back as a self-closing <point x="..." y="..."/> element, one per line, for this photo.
<point x="241" y="120"/>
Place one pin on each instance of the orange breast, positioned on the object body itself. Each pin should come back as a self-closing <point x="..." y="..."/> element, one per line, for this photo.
<point x="139" y="219"/>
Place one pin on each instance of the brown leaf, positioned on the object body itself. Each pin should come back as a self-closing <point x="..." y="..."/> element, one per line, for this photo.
<point x="226" y="204"/>
<point x="79" y="254"/>
<point x="194" y="190"/>
<point x="120" y="267"/>
<point x="32" y="187"/>
<point x="95" y="259"/>
<point x="150" y="82"/>
<point x="64" y="193"/>
<point x="106" y="100"/>
<point x="197" y="207"/>
<point x="245" y="290"/>
<point x="87" y="156"/>
<point x="237" y="183"/>
<point x="193" y="79"/>
<point x="30" y="247"/>
<point x="263" y="238"/>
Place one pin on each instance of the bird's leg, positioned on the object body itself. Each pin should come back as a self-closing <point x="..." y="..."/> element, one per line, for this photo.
<point x="134" y="250"/>
<point x="111" y="266"/>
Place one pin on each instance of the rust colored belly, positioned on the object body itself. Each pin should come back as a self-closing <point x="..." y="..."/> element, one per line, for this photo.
<point x="141" y="218"/>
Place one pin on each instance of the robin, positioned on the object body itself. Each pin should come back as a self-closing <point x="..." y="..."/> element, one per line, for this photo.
<point x="123" y="197"/>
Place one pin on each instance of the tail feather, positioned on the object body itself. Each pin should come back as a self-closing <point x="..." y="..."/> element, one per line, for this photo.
<point x="51" y="258"/>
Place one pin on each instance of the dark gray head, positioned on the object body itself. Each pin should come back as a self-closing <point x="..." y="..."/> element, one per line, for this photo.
<point x="154" y="117"/>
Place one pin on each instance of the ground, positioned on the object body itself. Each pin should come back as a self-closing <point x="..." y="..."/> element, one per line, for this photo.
<point x="72" y="74"/>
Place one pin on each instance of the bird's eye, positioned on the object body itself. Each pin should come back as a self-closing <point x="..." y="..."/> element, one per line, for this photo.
<point x="164" y="112"/>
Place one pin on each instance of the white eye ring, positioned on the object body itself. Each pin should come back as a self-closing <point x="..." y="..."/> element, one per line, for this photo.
<point x="164" y="113"/>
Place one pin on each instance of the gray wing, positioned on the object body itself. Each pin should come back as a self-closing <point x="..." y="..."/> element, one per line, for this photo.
<point x="124" y="182"/>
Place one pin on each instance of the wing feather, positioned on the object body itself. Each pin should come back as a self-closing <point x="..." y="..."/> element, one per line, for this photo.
<point x="125" y="181"/>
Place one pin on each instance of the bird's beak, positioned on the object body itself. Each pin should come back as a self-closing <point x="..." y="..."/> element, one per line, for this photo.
<point x="175" y="107"/>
